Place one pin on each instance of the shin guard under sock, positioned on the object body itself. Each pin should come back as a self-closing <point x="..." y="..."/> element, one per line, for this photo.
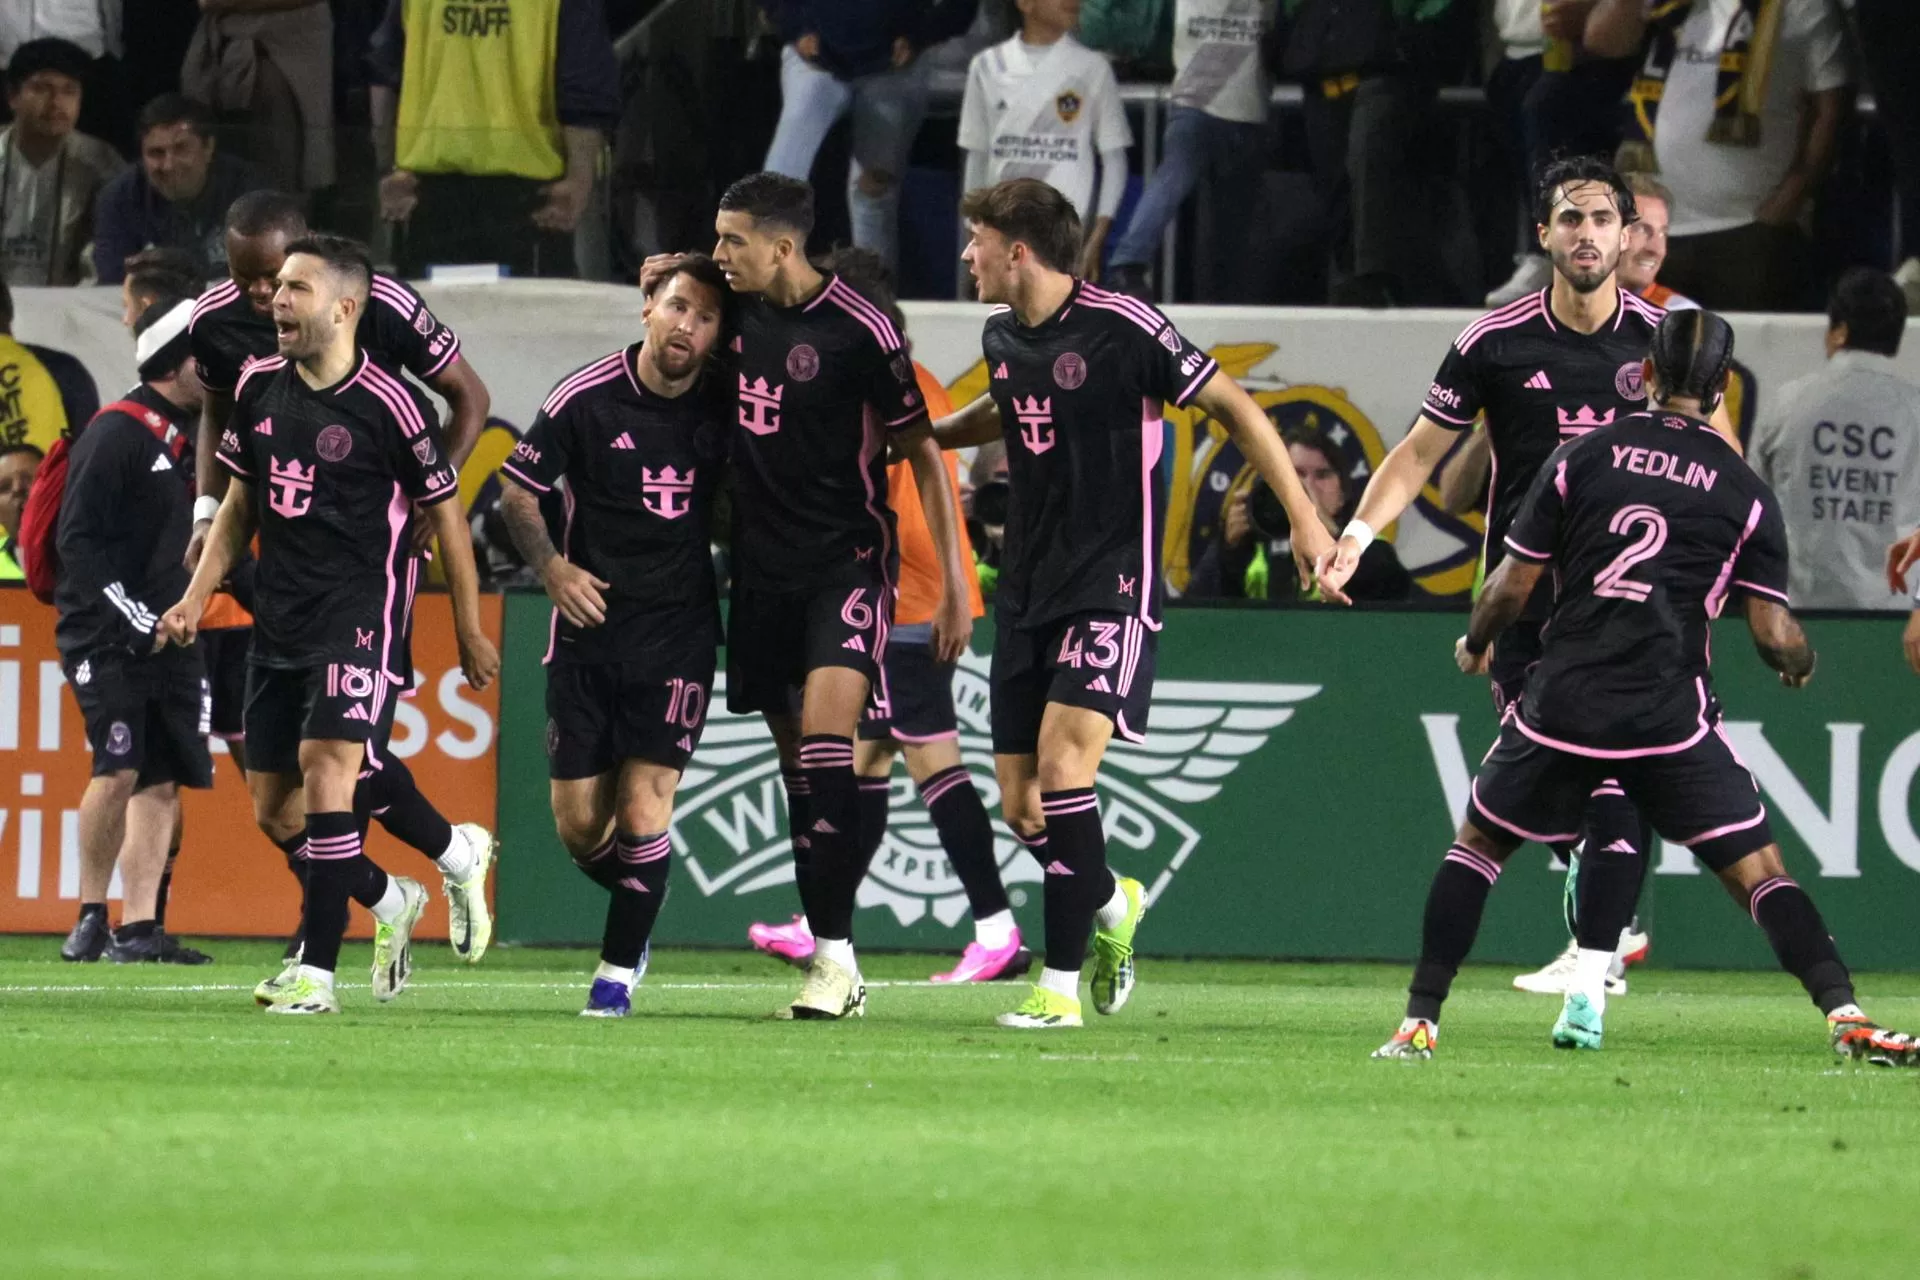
<point x="1452" y="920"/>
<point x="966" y="833"/>
<point x="1077" y="882"/>
<point x="643" y="864"/>
<point x="833" y="804"/>
<point x="1799" y="938"/>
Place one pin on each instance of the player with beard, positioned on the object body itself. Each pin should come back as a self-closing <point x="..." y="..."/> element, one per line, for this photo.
<point x="636" y="613"/>
<point x="1546" y="368"/>
<point x="233" y="326"/>
<point x="825" y="391"/>
<point x="338" y="445"/>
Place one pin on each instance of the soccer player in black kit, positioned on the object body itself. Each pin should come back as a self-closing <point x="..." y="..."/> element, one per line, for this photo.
<point x="1078" y="377"/>
<point x="1652" y="524"/>
<point x="639" y="438"/>
<point x="232" y="326"/>
<point x="824" y="390"/>
<point x="1550" y="367"/>
<point x="329" y="455"/>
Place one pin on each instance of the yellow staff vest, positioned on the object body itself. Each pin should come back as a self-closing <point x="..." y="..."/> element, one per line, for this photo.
<point x="477" y="88"/>
<point x="31" y="411"/>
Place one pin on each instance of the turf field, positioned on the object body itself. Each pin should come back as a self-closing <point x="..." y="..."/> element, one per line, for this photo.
<point x="1227" y="1123"/>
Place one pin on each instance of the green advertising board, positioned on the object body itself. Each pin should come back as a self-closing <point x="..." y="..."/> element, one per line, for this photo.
<point x="1302" y="776"/>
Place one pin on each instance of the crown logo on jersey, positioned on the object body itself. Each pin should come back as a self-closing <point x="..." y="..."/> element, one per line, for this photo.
<point x="1585" y="420"/>
<point x="1035" y="416"/>
<point x="292" y="486"/>
<point x="668" y="488"/>
<point x="623" y="441"/>
<point x="760" y="406"/>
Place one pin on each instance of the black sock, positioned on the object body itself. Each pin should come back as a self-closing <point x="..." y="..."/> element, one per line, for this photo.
<point x="644" y="863"/>
<point x="966" y="833"/>
<point x="1613" y="863"/>
<point x="600" y="865"/>
<point x="294" y="849"/>
<point x="1454" y="905"/>
<point x="93" y="909"/>
<point x="1078" y="882"/>
<point x="798" y="819"/>
<point x="1800" y="939"/>
<point x="876" y="794"/>
<point x="390" y="795"/>
<point x="166" y="888"/>
<point x="337" y="871"/>
<point x="129" y="930"/>
<point x="833" y="805"/>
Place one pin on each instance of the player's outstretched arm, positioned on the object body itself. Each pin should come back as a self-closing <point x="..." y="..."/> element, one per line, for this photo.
<point x="225" y="541"/>
<point x="1780" y="641"/>
<point x="479" y="660"/>
<point x="972" y="424"/>
<point x="952" y="619"/>
<point x="1504" y="596"/>
<point x="209" y="477"/>
<point x="1227" y="402"/>
<point x="1900" y="558"/>
<point x="468" y="402"/>
<point x="1396" y="482"/>
<point x="574" y="591"/>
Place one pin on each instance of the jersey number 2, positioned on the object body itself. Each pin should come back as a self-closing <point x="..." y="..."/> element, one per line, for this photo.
<point x="1613" y="581"/>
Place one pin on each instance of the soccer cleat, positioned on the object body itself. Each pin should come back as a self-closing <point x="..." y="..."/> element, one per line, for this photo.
<point x="172" y="951"/>
<point x="393" y="942"/>
<point x="1042" y="1009"/>
<point x="147" y="949"/>
<point x="1556" y="977"/>
<point x="608" y="999"/>
<point x="88" y="939"/>
<point x="469" y="922"/>
<point x="1579" y="1024"/>
<point x="1416" y="1038"/>
<point x="1633" y="948"/>
<point x="831" y="991"/>
<point x="979" y="964"/>
<point x="304" y="996"/>
<point x="1112" y="980"/>
<point x="1857" y="1038"/>
<point x="792" y="943"/>
<point x="271" y="987"/>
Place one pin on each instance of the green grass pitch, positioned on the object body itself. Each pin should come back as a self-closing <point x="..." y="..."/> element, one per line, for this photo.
<point x="1226" y="1124"/>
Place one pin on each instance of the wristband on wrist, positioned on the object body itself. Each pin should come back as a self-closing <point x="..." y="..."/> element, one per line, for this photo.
<point x="1466" y="642"/>
<point x="205" y="507"/>
<point x="1360" y="531"/>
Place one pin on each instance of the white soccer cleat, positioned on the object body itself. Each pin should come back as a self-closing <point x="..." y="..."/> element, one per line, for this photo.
<point x="393" y="942"/>
<point x="831" y="991"/>
<point x="1556" y="978"/>
<point x="469" y="922"/>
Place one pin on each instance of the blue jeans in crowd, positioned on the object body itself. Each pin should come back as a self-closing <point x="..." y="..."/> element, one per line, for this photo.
<point x="1194" y="146"/>
<point x="887" y="109"/>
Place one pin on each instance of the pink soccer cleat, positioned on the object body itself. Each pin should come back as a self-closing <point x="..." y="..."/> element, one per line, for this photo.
<point x="792" y="942"/>
<point x="978" y="964"/>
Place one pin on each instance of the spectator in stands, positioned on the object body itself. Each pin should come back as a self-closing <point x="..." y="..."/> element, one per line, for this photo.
<point x="18" y="464"/>
<point x="267" y="67"/>
<point x="1841" y="448"/>
<point x="1216" y="126"/>
<point x="92" y="26"/>
<point x="1645" y="251"/>
<point x="491" y="130"/>
<point x="1890" y="51"/>
<point x="1040" y="105"/>
<point x="863" y="57"/>
<point x="155" y="274"/>
<point x="44" y="394"/>
<point x="50" y="173"/>
<point x="177" y="197"/>
<point x="1742" y="110"/>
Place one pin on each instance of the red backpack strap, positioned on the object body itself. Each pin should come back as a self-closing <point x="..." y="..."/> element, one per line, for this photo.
<point x="164" y="431"/>
<point x="39" y="533"/>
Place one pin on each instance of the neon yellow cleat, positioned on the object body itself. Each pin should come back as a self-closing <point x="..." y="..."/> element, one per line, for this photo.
<point x="1042" y="1009"/>
<point x="1112" y="980"/>
<point x="393" y="942"/>
<point x="469" y="922"/>
<point x="305" y="996"/>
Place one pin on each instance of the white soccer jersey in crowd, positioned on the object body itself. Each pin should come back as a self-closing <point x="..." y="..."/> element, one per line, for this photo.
<point x="1216" y="58"/>
<point x="1043" y="111"/>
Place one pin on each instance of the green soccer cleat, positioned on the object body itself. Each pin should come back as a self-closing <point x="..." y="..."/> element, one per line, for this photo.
<point x="1579" y="1024"/>
<point x="469" y="922"/>
<point x="1112" y="980"/>
<point x="1415" y="1040"/>
<point x="1041" y="1009"/>
<point x="393" y="942"/>
<point x="304" y="996"/>
<point x="271" y="987"/>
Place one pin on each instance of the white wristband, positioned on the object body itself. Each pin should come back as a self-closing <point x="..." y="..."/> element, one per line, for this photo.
<point x="205" y="507"/>
<point x="1360" y="531"/>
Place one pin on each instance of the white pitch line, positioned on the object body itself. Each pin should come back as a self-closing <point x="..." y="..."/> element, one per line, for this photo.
<point x="566" y="985"/>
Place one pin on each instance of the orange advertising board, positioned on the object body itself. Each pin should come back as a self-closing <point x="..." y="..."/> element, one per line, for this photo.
<point x="229" y="879"/>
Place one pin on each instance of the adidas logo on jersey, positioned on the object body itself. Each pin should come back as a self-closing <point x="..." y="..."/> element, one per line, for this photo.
<point x="1622" y="845"/>
<point x="826" y="828"/>
<point x="1099" y="685"/>
<point x="686" y="742"/>
<point x="856" y="644"/>
<point x="1057" y="868"/>
<point x="1001" y="372"/>
<point x="357" y="711"/>
<point x="1538" y="382"/>
<point x="265" y="426"/>
<point x="160" y="463"/>
<point x="623" y="441"/>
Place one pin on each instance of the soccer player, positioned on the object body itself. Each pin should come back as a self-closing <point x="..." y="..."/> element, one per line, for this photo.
<point x="1651" y="525"/>
<point x="232" y="326"/>
<point x="1546" y="368"/>
<point x="340" y="450"/>
<point x="911" y="708"/>
<point x="1077" y="379"/>
<point x="639" y="437"/>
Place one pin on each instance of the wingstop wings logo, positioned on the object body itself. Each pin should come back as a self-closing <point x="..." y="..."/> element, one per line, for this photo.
<point x="731" y="824"/>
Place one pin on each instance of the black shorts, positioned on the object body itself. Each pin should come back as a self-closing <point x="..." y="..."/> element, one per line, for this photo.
<point x="1100" y="661"/>
<point x="775" y="639"/>
<point x="146" y="714"/>
<point x="1514" y="653"/>
<point x="601" y="714"/>
<point x="342" y="702"/>
<point x="1701" y="797"/>
<point x="226" y="653"/>
<point x="912" y="702"/>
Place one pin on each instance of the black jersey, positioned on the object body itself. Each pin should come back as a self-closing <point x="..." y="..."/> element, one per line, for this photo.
<point x="396" y="328"/>
<point x="1539" y="383"/>
<point x="1650" y="524"/>
<point x="335" y="474"/>
<point x="821" y="386"/>
<point x="1080" y="396"/>
<point x="124" y="521"/>
<point x="641" y="471"/>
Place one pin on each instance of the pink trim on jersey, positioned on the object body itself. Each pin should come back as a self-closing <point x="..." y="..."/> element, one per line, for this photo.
<point x="1527" y="552"/>
<point x="1126" y="733"/>
<point x="866" y="313"/>
<point x="212" y="300"/>
<point x="413" y="591"/>
<point x="1652" y="311"/>
<point x="1727" y="830"/>
<point x="396" y="396"/>
<point x="1132" y="308"/>
<point x="265" y="364"/>
<point x="398" y="509"/>
<point x="1150" y="444"/>
<point x="1626" y="753"/>
<point x="1516" y="312"/>
<point x="1426" y="407"/>
<point x="1504" y="825"/>
<point x="579" y="380"/>
<point x="394" y="294"/>
<point x="1717" y="598"/>
<point x="1207" y="371"/>
<point x="1757" y="589"/>
<point x="870" y="446"/>
<point x="521" y="477"/>
<point x="1560" y="479"/>
<point x="921" y="739"/>
<point x="566" y="550"/>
